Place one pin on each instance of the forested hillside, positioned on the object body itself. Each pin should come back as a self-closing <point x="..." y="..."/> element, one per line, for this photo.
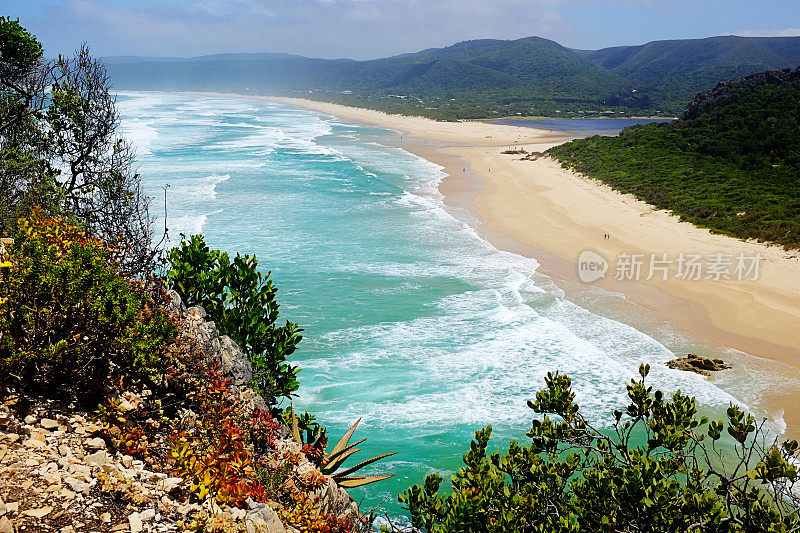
<point x="483" y="78"/>
<point x="731" y="163"/>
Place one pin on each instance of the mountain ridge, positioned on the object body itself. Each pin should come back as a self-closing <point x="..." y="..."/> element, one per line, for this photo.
<point x="481" y="78"/>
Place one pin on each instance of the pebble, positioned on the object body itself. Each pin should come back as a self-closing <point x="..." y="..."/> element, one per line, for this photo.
<point x="98" y="459"/>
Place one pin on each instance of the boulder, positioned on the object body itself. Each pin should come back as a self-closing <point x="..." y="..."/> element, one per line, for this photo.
<point x="698" y="364"/>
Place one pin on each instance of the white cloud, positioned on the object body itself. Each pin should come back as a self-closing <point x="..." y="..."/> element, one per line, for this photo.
<point x="786" y="32"/>
<point x="321" y="28"/>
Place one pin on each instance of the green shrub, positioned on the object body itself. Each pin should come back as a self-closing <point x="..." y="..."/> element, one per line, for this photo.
<point x="241" y="301"/>
<point x="69" y="323"/>
<point x="658" y="468"/>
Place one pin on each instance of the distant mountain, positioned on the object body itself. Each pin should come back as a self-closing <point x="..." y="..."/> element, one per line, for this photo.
<point x="480" y="78"/>
<point x="672" y="72"/>
<point x="731" y="163"/>
<point x="213" y="57"/>
<point x="531" y="68"/>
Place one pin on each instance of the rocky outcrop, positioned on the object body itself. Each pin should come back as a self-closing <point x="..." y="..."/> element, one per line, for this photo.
<point x="58" y="474"/>
<point x="723" y="92"/>
<point x="698" y="364"/>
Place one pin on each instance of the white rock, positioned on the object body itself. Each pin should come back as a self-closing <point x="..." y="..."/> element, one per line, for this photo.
<point x="76" y="485"/>
<point x="147" y="514"/>
<point x="135" y="523"/>
<point x="96" y="444"/>
<point x="99" y="458"/>
<point x="49" y="423"/>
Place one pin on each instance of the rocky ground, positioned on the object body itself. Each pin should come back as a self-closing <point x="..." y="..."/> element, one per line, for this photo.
<point x="58" y="473"/>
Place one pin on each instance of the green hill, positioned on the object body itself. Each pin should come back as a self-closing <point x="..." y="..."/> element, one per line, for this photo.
<point x="668" y="73"/>
<point x="481" y="78"/>
<point x="488" y="78"/>
<point x="731" y="163"/>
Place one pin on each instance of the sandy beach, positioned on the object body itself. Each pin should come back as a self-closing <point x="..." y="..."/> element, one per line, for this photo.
<point x="537" y="208"/>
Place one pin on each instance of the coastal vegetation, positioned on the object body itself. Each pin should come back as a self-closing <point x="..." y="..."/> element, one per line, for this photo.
<point x="485" y="78"/>
<point x="89" y="330"/>
<point x="241" y="302"/>
<point x="94" y="323"/>
<point x="730" y="163"/>
<point x="656" y="467"/>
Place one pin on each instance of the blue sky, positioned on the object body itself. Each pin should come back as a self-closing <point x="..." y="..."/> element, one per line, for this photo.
<point x="375" y="28"/>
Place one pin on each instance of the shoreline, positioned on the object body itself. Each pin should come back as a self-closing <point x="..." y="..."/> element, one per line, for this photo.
<point x="537" y="209"/>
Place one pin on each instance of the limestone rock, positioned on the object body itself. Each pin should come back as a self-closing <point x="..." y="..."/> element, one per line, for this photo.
<point x="5" y="525"/>
<point x="233" y="362"/>
<point x="49" y="423"/>
<point x="698" y="364"/>
<point x="96" y="444"/>
<point x="38" y="513"/>
<point x="263" y="519"/>
<point x="98" y="458"/>
<point x="135" y="523"/>
<point x="174" y="305"/>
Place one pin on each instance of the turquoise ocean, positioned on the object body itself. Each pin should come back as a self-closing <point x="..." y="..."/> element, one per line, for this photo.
<point x="413" y="323"/>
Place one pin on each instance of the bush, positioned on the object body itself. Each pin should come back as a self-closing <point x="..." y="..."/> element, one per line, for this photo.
<point x="241" y="301"/>
<point x="659" y="468"/>
<point x="60" y="149"/>
<point x="69" y="323"/>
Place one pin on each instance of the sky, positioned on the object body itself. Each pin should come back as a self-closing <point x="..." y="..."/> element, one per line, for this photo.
<point x="365" y="29"/>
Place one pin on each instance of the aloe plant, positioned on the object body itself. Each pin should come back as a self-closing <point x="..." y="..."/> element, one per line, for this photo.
<point x="341" y="451"/>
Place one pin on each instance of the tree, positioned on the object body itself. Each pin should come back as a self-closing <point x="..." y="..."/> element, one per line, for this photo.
<point x="60" y="149"/>
<point x="659" y="468"/>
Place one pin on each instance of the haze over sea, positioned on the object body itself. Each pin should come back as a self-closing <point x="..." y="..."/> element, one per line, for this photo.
<point x="413" y="322"/>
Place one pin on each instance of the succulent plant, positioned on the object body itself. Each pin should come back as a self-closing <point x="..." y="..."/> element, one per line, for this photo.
<point x="340" y="453"/>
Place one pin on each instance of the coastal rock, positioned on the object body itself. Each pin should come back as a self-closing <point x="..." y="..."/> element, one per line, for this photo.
<point x="174" y="305"/>
<point x="698" y="364"/>
<point x="333" y="499"/>
<point x="263" y="519"/>
<point x="233" y="362"/>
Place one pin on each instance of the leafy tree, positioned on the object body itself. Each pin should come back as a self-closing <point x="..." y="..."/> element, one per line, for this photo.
<point x="659" y="468"/>
<point x="59" y="148"/>
<point x="241" y="302"/>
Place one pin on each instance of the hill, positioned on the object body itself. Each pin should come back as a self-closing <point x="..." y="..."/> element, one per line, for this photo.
<point x="668" y="73"/>
<point x="731" y="163"/>
<point x="482" y="78"/>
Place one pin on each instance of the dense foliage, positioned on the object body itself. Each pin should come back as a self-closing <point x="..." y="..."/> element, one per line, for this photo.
<point x="733" y="167"/>
<point x="666" y="74"/>
<point x="241" y="301"/>
<point x="659" y="468"/>
<point x="59" y="148"/>
<point x="70" y="325"/>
